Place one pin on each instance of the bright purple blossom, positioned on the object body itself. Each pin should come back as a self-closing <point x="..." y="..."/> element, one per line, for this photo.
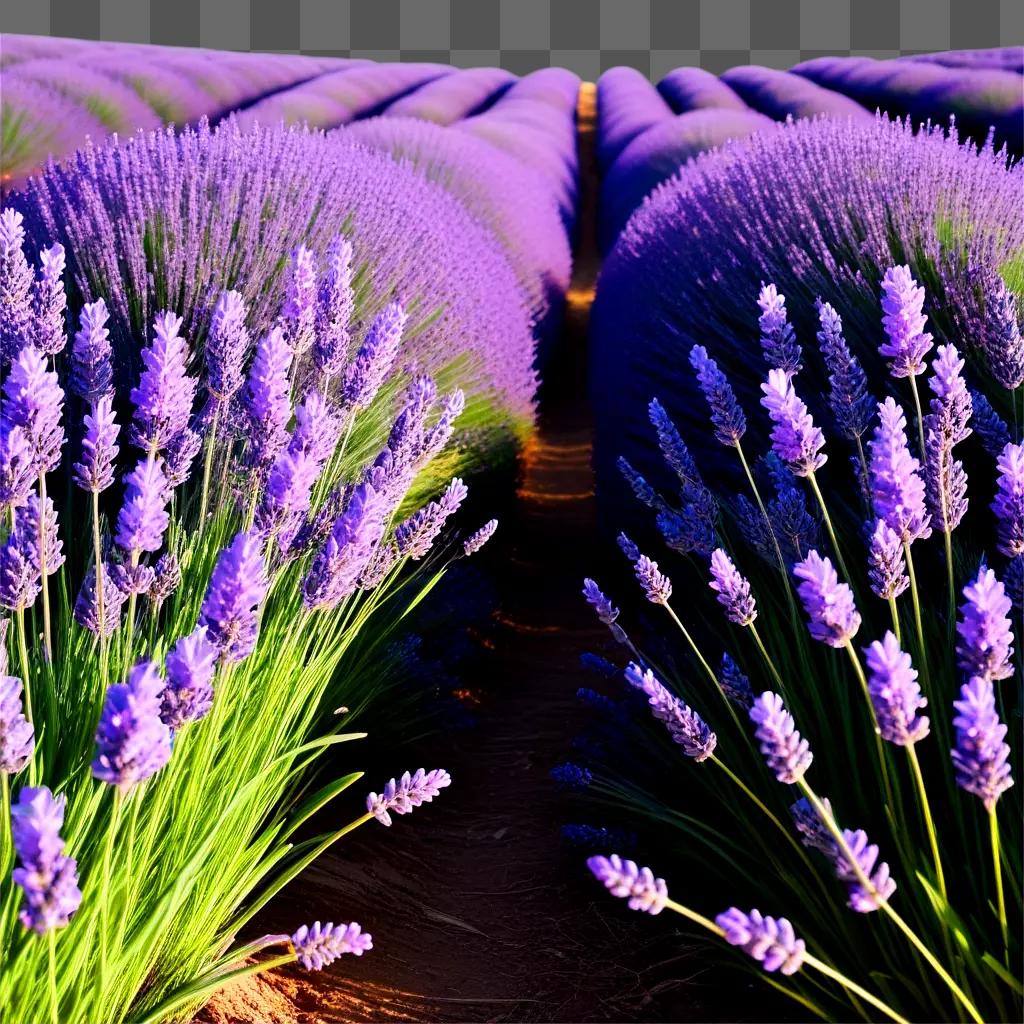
<point x="848" y="398"/>
<point x="163" y="398"/>
<point x="684" y="725"/>
<point x="834" y="618"/>
<point x="17" y="737"/>
<point x="17" y="467"/>
<point x="407" y="793"/>
<point x="87" y="611"/>
<point x="318" y="945"/>
<point x="91" y="372"/>
<point x="771" y="941"/>
<point x="266" y="397"/>
<point x="475" y="541"/>
<point x="287" y="495"/>
<point x="795" y="438"/>
<point x="49" y="302"/>
<point x="604" y="609"/>
<point x="732" y="588"/>
<point x="372" y="363"/>
<point x="726" y="415"/>
<point x="191" y="664"/>
<point x="334" y="306"/>
<point x="1009" y="501"/>
<point x="227" y="344"/>
<point x="985" y="646"/>
<point x="28" y="531"/>
<point x="230" y="610"/>
<point x="95" y="472"/>
<point x="897" y="490"/>
<point x="862" y="898"/>
<point x="131" y="579"/>
<point x="20" y="580"/>
<point x="895" y="692"/>
<point x="317" y="427"/>
<point x="132" y="743"/>
<point x="298" y="315"/>
<point x="143" y="518"/>
<point x="887" y="565"/>
<point x="657" y="586"/>
<point x="981" y="757"/>
<point x="34" y="401"/>
<point x="778" y="340"/>
<point x="623" y="878"/>
<point x="788" y="754"/>
<point x="417" y="534"/>
<point x="907" y="341"/>
<point x="15" y="286"/>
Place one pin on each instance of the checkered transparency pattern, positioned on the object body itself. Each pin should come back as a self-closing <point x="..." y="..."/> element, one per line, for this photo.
<point x="587" y="36"/>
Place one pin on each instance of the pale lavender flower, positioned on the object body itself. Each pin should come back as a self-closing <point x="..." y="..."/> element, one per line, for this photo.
<point x="771" y="941"/>
<point x="781" y="349"/>
<point x="407" y="793"/>
<point x="726" y="415"/>
<point x="814" y="833"/>
<point x="15" y="286"/>
<point x="132" y="743"/>
<point x="657" y="586"/>
<point x="417" y="534"/>
<point x="863" y="899"/>
<point x="1002" y="341"/>
<point x="287" y="496"/>
<point x="334" y="306"/>
<point x="34" y="401"/>
<point x="266" y="398"/>
<point x="48" y="879"/>
<point x="684" y="725"/>
<point x="985" y="645"/>
<point x="372" y="363"/>
<point x="988" y="424"/>
<point x="732" y="588"/>
<point x="895" y="692"/>
<point x="143" y="518"/>
<point x="95" y="472"/>
<point x="318" y="945"/>
<point x="904" y="321"/>
<point x="190" y="664"/>
<point x="49" y="302"/>
<point x="452" y="407"/>
<point x="735" y="685"/>
<point x="298" y="315"/>
<point x="231" y="605"/>
<point x="604" y="609"/>
<point x="795" y="438"/>
<point x="17" y="467"/>
<point x="91" y="372"/>
<point x="834" y="618"/>
<point x="623" y="878"/>
<point x="181" y="456"/>
<point x="87" y="612"/>
<point x="788" y="754"/>
<point x="887" y="566"/>
<point x="17" y="737"/>
<point x="227" y="343"/>
<point x="131" y="579"/>
<point x="166" y="578"/>
<point x="981" y="757"/>
<point x="897" y="490"/>
<point x="848" y="398"/>
<point x="475" y="541"/>
<point x="20" y="581"/>
<point x="163" y="398"/>
<point x="1009" y="501"/>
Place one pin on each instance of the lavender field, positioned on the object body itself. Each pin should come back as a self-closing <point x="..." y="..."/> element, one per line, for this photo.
<point x="328" y="385"/>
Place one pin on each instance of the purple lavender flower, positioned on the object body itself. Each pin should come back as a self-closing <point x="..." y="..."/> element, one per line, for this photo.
<point x="407" y="793"/>
<point x="131" y="579"/>
<point x="693" y="529"/>
<point x="895" y="693"/>
<point x="657" y="586"/>
<point x="417" y="534"/>
<point x="638" y="484"/>
<point x="834" y="618"/>
<point x="166" y="578"/>
<point x="17" y="467"/>
<point x="787" y="753"/>
<point x="49" y="302"/>
<point x="985" y="647"/>
<point x="781" y="349"/>
<point x="981" y="756"/>
<point x="287" y="495"/>
<point x="684" y="725"/>
<point x="595" y="663"/>
<point x="191" y="664"/>
<point x="452" y="407"/>
<point x="298" y="314"/>
<point x="624" y="879"/>
<point x="771" y="941"/>
<point x="904" y="322"/>
<point x="316" y="429"/>
<point x="1009" y="501"/>
<point x="1013" y="577"/>
<point x="732" y="589"/>
<point x="735" y="685"/>
<point x="475" y="541"/>
<point x="372" y="363"/>
<point x="87" y="612"/>
<point x="27" y="531"/>
<point x="17" y="737"/>
<point x="20" y="581"/>
<point x="132" y="743"/>
<point x="945" y="427"/>
<point x="34" y="401"/>
<point x="237" y="588"/>
<point x="627" y="547"/>
<point x="571" y="777"/>
<point x="334" y="306"/>
<point x="266" y="397"/>
<point x="91" y="372"/>
<point x="227" y="343"/>
<point x="15" y="286"/>
<point x="795" y="438"/>
<point x="848" y="398"/>
<point x="163" y="398"/>
<point x="988" y="424"/>
<point x="673" y="448"/>
<point x="862" y="898"/>
<point x="48" y="879"/>
<point x="1001" y="341"/>
<point x="95" y="472"/>
<point x="887" y="566"/>
<point x="604" y="609"/>
<point x="318" y="945"/>
<point x="814" y="834"/>
<point x="897" y="490"/>
<point x="181" y="455"/>
<point x="143" y="518"/>
<point x="726" y="415"/>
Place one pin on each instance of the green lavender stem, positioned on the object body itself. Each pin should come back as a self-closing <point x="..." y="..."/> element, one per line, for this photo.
<point x="813" y="480"/>
<point x="208" y="465"/>
<point x="44" y="576"/>
<point x="916" y="601"/>
<point x="51" y="973"/>
<point x="929" y="822"/>
<point x="993" y="831"/>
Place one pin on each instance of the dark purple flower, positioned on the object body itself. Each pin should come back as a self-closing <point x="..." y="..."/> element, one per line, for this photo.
<point x="814" y="833"/>
<point x="17" y="737"/>
<point x="895" y="692"/>
<point x="735" y="685"/>
<point x="15" y="286"/>
<point x="627" y="547"/>
<point x="604" y="609"/>
<point x="132" y="743"/>
<point x="417" y="534"/>
<point x="49" y="302"/>
<point x="34" y="401"/>
<point x="596" y="837"/>
<point x="227" y="344"/>
<point x="907" y="341"/>
<point x="143" y="518"/>
<point x="981" y="757"/>
<point x="95" y="472"/>
<point x="657" y="586"/>
<point x="1009" y="501"/>
<point x="27" y="531"/>
<point x="318" y="945"/>
<point x="190" y="664"/>
<point x="897" y="490"/>
<point x="475" y="541"/>
<point x="570" y="777"/>
<point x="1001" y="340"/>
<point x="988" y="424"/>
<point x="771" y="941"/>
<point x="166" y="578"/>
<point x="732" y="588"/>
<point x="726" y="415"/>
<point x="692" y="529"/>
<point x="781" y="349"/>
<point x="834" y="618"/>
<point x="48" y="879"/>
<point x="87" y="612"/>
<point x="795" y="438"/>
<point x="407" y="793"/>
<point x="163" y="398"/>
<point x="19" y="579"/>
<point x="863" y="899"/>
<point x="334" y="307"/>
<point x="298" y="315"/>
<point x="946" y="426"/>
<point x="673" y="448"/>
<point x="848" y="398"/>
<point x="684" y="725"/>
<point x="266" y="398"/>
<point x="181" y="455"/>
<point x="787" y="753"/>
<point x="372" y="363"/>
<point x="1013" y="577"/>
<point x="91" y="372"/>
<point x="17" y="467"/>
<point x="643" y="491"/>
<point x="887" y="566"/>
<point x="595" y="663"/>
<point x="985" y="645"/>
<point x="237" y="588"/>
<point x="623" y="878"/>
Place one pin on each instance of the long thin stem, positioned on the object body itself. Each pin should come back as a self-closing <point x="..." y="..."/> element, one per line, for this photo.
<point x="767" y="658"/>
<point x="51" y="973"/>
<point x="19" y="628"/>
<point x="693" y="645"/>
<point x="813" y="480"/>
<point x="208" y="464"/>
<point x="895" y="613"/>
<point x="916" y="601"/>
<point x="43" y="567"/>
<point x="879" y="746"/>
<point x="920" y="419"/>
<point x="97" y="547"/>
<point x="108" y="850"/>
<point x="929" y="822"/>
<point x="993" y="831"/>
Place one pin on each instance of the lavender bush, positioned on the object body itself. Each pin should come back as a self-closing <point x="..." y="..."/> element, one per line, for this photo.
<point x="627" y="105"/>
<point x="454" y="97"/>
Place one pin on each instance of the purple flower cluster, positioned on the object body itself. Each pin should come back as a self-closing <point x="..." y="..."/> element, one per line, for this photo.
<point x="91" y="371"/>
<point x="190" y="664"/>
<point x="34" y="402"/>
<point x="778" y="340"/>
<point x="657" y="586"/>
<point x="15" y="286"/>
<point x="416" y="535"/>
<point x="266" y="398"/>
<point x="795" y="438"/>
<point x="227" y="344"/>
<point x="17" y="467"/>
<point x="87" y="605"/>
<point x="231" y="605"/>
<point x="623" y="878"/>
<point x="49" y="302"/>
<point x="684" y="725"/>
<point x="17" y="737"/>
<point x="788" y="754"/>
<point x="887" y="566"/>
<point x="946" y="426"/>
<point x="771" y="941"/>
<point x="829" y="604"/>
<point x="475" y="541"/>
<point x="407" y="793"/>
<point x="985" y="645"/>
<point x="164" y="395"/>
<point x="318" y="945"/>
<point x="732" y="588"/>
<point x="298" y="314"/>
<point x="863" y="898"/>
<point x="372" y="363"/>
<point x="1003" y="343"/>
<point x="895" y="693"/>
<point x="1008" y="505"/>
<point x="897" y="490"/>
<point x="726" y="415"/>
<point x="904" y="322"/>
<point x="603" y="608"/>
<point x="334" y="307"/>
<point x="980" y="758"/>
<point x="21" y="568"/>
<point x="851" y="405"/>
<point x="735" y="685"/>
<point x="143" y="518"/>
<point x="95" y="472"/>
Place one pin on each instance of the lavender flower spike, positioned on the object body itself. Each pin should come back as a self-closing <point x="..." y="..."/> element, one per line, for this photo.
<point x="781" y="349"/>
<point x="143" y="518"/>
<point x="191" y="664"/>
<point x="87" y="612"/>
<point x="163" y="398"/>
<point x="237" y="588"/>
<point x="768" y="940"/>
<point x="787" y="753"/>
<point x="17" y="467"/>
<point x="895" y="693"/>
<point x="1002" y="342"/>
<point x="407" y="793"/>
<point x="15" y="286"/>
<point x="990" y="427"/>
<point x="1009" y="501"/>
<point x="834" y="618"/>
<point x="726" y="415"/>
<point x="47" y="878"/>
<point x="985" y="645"/>
<point x="897" y="490"/>
<point x="34" y="401"/>
<point x="17" y="737"/>
<point x="475" y="541"/>
<point x="732" y="589"/>
<point x="95" y="472"/>
<point x="417" y="534"/>
<point x="735" y="685"/>
<point x="904" y="322"/>
<point x="367" y="372"/>
<point x="624" y="879"/>
<point x="848" y="398"/>
<point x="863" y="899"/>
<point x="684" y="725"/>
<point x="298" y="316"/>
<point x="795" y="438"/>
<point x="91" y="371"/>
<point x="335" y="303"/>
<point x="49" y="302"/>
<point x="318" y="945"/>
<point x="814" y="833"/>
<point x="657" y="586"/>
<point x="227" y="344"/>
<point x="604" y="609"/>
<point x="887" y="566"/>
<point x="266" y="397"/>
<point x="981" y="756"/>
